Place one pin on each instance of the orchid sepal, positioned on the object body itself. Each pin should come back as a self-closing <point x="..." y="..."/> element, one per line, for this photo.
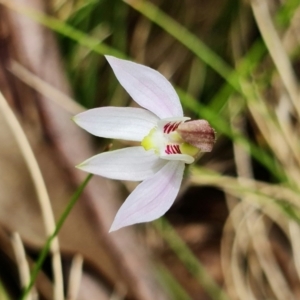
<point x="132" y="163"/>
<point x="152" y="198"/>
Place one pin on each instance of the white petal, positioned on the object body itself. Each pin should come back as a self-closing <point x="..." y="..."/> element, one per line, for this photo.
<point x="181" y="157"/>
<point x="126" y="123"/>
<point x="152" y="198"/>
<point x="147" y="87"/>
<point x="133" y="163"/>
<point x="162" y="123"/>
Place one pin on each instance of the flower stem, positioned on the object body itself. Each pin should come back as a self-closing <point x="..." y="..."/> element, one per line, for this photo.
<point x="47" y="245"/>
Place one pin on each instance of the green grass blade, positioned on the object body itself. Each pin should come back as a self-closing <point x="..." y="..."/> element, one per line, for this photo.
<point x="192" y="263"/>
<point x="185" y="37"/>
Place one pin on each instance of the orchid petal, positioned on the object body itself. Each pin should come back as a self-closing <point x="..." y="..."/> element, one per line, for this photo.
<point x="133" y="163"/>
<point x="181" y="157"/>
<point x="147" y="87"/>
<point x="126" y="123"/>
<point x="152" y="198"/>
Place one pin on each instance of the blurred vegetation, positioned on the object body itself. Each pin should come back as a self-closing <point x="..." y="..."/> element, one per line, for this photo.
<point x="236" y="64"/>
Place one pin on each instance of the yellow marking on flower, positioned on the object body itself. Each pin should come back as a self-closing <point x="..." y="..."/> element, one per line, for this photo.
<point x="157" y="141"/>
<point x="188" y="149"/>
<point x="150" y="141"/>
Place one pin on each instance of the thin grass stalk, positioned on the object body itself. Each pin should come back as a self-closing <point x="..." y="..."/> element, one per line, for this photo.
<point x="53" y="236"/>
<point x="41" y="191"/>
<point x="250" y="62"/>
<point x="22" y="264"/>
<point x="266" y="258"/>
<point x="186" y="38"/>
<point x="276" y="50"/>
<point x="244" y="170"/>
<point x="226" y="247"/>
<point x="189" y="260"/>
<point x="258" y="233"/>
<point x="294" y="233"/>
<point x="202" y="176"/>
<point x="44" y="88"/>
<point x="174" y="288"/>
<point x="239" y="250"/>
<point x="273" y="134"/>
<point x="75" y="277"/>
<point x="3" y="293"/>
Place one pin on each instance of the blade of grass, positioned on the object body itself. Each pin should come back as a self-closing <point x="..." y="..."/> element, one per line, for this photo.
<point x="275" y="192"/>
<point x="176" y="291"/>
<point x="247" y="65"/>
<point x="185" y="37"/>
<point x="3" y="293"/>
<point x="41" y="86"/>
<point x="192" y="263"/>
<point x="276" y="50"/>
<point x="286" y="13"/>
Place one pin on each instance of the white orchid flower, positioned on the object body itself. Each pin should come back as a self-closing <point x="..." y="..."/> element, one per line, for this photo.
<point x="168" y="142"/>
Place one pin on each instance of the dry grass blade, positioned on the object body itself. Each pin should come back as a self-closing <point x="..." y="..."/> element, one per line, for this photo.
<point x="75" y="277"/>
<point x="243" y="186"/>
<point x="241" y="242"/>
<point x="41" y="191"/>
<point x="276" y="135"/>
<point x="240" y="217"/>
<point x="276" y="50"/>
<point x="45" y="89"/>
<point x="266" y="258"/>
<point x="23" y="267"/>
<point x="248" y="220"/>
<point x="250" y="234"/>
<point x="277" y="129"/>
<point x="294" y="231"/>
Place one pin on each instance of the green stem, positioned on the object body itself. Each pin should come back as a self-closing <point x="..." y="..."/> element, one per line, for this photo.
<point x="47" y="246"/>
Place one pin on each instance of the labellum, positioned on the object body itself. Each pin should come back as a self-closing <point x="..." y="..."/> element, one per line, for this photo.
<point x="198" y="133"/>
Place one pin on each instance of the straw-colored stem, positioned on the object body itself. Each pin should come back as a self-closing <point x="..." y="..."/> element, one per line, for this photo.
<point x="44" y="88"/>
<point x="41" y="191"/>
<point x="75" y="277"/>
<point x="22" y="264"/>
<point x="276" y="50"/>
